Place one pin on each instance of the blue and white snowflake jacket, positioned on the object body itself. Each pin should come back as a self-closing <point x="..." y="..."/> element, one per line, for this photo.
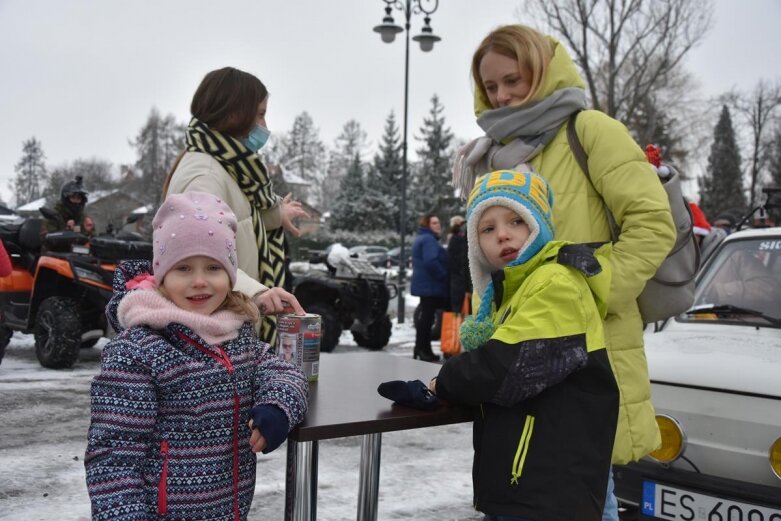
<point x="169" y="435"/>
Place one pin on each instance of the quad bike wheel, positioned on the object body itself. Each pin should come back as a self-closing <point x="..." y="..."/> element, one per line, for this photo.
<point x="57" y="333"/>
<point x="436" y="327"/>
<point x="379" y="333"/>
<point x="5" y="337"/>
<point x="330" y="327"/>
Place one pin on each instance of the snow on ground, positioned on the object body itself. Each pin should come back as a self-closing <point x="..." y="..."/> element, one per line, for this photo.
<point x="44" y="416"/>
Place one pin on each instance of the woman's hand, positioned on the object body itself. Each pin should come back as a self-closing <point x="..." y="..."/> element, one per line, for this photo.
<point x="274" y="301"/>
<point x="292" y="210"/>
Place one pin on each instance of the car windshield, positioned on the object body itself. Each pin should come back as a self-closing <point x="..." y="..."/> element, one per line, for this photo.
<point x="742" y="283"/>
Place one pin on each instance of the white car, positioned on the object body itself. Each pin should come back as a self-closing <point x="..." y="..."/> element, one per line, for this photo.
<point x="716" y="386"/>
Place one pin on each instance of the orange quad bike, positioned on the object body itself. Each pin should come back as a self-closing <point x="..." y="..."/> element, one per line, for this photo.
<point x="59" y="288"/>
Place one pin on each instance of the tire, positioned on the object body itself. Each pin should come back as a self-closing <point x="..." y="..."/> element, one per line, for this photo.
<point x="330" y="327"/>
<point x="57" y="333"/>
<point x="5" y="338"/>
<point x="436" y="327"/>
<point x="379" y="334"/>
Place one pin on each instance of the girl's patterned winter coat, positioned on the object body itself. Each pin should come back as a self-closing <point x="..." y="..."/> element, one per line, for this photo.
<point x="168" y="436"/>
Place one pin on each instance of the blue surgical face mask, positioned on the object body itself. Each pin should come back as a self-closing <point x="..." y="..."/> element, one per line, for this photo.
<point x="257" y="138"/>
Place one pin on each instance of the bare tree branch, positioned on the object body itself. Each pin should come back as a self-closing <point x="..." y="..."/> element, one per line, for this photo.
<point x="625" y="48"/>
<point x="759" y="109"/>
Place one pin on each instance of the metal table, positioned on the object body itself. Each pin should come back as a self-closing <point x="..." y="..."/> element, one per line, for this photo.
<point x="344" y="402"/>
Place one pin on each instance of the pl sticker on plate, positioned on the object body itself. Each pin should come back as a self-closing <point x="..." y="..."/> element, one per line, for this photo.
<point x="665" y="502"/>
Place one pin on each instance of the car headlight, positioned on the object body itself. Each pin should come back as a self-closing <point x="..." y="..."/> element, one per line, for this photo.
<point x="673" y="440"/>
<point x="775" y="458"/>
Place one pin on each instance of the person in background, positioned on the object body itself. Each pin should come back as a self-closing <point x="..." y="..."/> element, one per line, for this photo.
<point x="708" y="237"/>
<point x="429" y="282"/>
<point x="534" y="359"/>
<point x="186" y="393"/>
<point x="223" y="138"/>
<point x="726" y="221"/>
<point x="701" y="227"/>
<point x="458" y="263"/>
<point x="88" y="226"/>
<point x="527" y="89"/>
<point x="68" y="213"/>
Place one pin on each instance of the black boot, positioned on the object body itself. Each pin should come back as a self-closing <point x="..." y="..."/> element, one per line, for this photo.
<point x="425" y="354"/>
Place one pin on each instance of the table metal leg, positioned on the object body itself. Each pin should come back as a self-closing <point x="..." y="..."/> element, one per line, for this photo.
<point x="369" y="483"/>
<point x="301" y="481"/>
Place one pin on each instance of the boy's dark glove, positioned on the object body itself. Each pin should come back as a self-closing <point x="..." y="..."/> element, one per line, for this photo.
<point x="272" y="423"/>
<point x="413" y="393"/>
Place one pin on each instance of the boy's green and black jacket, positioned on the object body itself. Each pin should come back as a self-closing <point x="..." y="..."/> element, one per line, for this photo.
<point x="548" y="399"/>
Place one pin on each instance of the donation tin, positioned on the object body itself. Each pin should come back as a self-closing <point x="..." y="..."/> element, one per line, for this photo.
<point x="298" y="338"/>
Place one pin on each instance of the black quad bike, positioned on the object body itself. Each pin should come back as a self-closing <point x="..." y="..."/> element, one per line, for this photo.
<point x="59" y="287"/>
<point x="352" y="295"/>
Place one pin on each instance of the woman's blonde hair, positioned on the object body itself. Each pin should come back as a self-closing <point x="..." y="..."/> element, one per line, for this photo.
<point x="235" y="302"/>
<point x="529" y="47"/>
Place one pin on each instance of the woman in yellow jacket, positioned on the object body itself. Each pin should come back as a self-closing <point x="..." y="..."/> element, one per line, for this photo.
<point x="526" y="88"/>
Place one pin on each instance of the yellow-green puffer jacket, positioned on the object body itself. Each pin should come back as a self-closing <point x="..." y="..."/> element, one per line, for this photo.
<point x="639" y="204"/>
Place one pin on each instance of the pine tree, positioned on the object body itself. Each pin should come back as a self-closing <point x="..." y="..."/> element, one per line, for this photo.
<point x="349" y="210"/>
<point x="721" y="189"/>
<point x="351" y="141"/>
<point x="303" y="153"/>
<point x="383" y="185"/>
<point x="30" y="173"/>
<point x="157" y="145"/>
<point x="431" y="189"/>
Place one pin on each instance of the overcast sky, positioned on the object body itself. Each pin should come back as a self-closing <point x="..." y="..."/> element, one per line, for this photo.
<point x="83" y="75"/>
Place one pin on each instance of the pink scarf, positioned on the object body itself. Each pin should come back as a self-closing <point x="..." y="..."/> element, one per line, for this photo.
<point x="150" y="308"/>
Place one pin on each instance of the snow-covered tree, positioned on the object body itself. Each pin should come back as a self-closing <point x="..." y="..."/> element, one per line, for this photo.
<point x="349" y="211"/>
<point x="158" y="144"/>
<point x="431" y="189"/>
<point x="384" y="176"/>
<point x="351" y="141"/>
<point x="302" y="152"/>
<point x="721" y="188"/>
<point x="30" y="173"/>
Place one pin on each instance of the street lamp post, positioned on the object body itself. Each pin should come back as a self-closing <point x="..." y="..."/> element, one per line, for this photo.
<point x="388" y="30"/>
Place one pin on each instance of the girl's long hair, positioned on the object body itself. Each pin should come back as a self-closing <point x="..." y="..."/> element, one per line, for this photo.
<point x="227" y="101"/>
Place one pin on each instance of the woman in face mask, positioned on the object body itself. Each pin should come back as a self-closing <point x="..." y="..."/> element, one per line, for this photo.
<point x="227" y="130"/>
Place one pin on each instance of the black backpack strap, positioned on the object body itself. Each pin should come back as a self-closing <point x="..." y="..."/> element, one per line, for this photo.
<point x="582" y="159"/>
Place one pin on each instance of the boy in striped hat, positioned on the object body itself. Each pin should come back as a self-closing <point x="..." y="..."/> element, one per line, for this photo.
<point x="535" y="359"/>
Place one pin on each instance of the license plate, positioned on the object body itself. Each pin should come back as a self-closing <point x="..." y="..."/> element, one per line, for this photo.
<point x="666" y="502"/>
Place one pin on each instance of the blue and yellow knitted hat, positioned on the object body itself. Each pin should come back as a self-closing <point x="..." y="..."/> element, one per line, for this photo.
<point x="530" y="196"/>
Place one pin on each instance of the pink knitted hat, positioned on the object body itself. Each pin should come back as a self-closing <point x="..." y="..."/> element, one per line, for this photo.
<point x="193" y="223"/>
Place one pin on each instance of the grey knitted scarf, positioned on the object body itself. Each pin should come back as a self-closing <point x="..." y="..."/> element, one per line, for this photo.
<point x="514" y="135"/>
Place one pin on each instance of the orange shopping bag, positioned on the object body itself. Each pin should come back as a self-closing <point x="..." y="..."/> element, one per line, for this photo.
<point x="450" y="338"/>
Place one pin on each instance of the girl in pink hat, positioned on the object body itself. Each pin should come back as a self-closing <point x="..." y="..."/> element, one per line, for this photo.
<point x="186" y="394"/>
